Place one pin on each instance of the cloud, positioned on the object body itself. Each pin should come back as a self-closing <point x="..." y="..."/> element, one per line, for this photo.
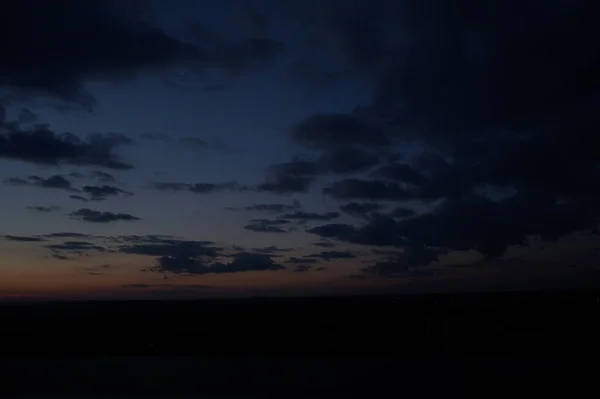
<point x="242" y="262"/>
<point x="271" y="250"/>
<point x="26" y="116"/>
<point x="193" y="143"/>
<point x="89" y="215"/>
<point x="40" y="145"/>
<point x="302" y="268"/>
<point x="333" y="230"/>
<point x="300" y="261"/>
<point x="107" y="40"/>
<point x="309" y="216"/>
<point x="401" y="173"/>
<point x="492" y="226"/>
<point x="502" y="104"/>
<point x="199" y="144"/>
<point x="159" y="246"/>
<point x="23" y="238"/>
<point x="236" y="56"/>
<point x="103" y="176"/>
<point x="347" y="160"/>
<point x="267" y="225"/>
<point x="402" y="212"/>
<point x="360" y="210"/>
<point x="324" y="244"/>
<point x="294" y="176"/>
<point x="374" y="190"/>
<point x="329" y="131"/>
<point x="69" y="248"/>
<point x="68" y="234"/>
<point x="379" y="231"/>
<point x="196" y="257"/>
<point x="168" y="288"/>
<point x="273" y="208"/>
<point x="56" y="182"/>
<point x="44" y="209"/>
<point x="136" y="285"/>
<point x="330" y="255"/>
<point x="98" y="270"/>
<point x="78" y="198"/>
<point x="97" y="193"/>
<point x="197" y="188"/>
<point x="403" y="263"/>
<point x="471" y="223"/>
<point x="97" y="41"/>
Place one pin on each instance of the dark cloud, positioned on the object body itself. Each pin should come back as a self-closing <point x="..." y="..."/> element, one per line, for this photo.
<point x="472" y="223"/>
<point x="333" y="230"/>
<point x="89" y="215"/>
<point x="168" y="288"/>
<point x="501" y="96"/>
<point x="302" y="268"/>
<point x="271" y="250"/>
<point x="329" y="131"/>
<point x="26" y="116"/>
<point x="402" y="212"/>
<point x="103" y="176"/>
<point x="198" y="188"/>
<point x="44" y="209"/>
<point x="56" y="181"/>
<point x="23" y="238"/>
<point x="235" y="56"/>
<point x="91" y="41"/>
<point x="324" y="244"/>
<point x="97" y="193"/>
<point x="330" y="255"/>
<point x="403" y="263"/>
<point x="310" y="216"/>
<point x="78" y="198"/>
<point x="379" y="231"/>
<point x="300" y="261"/>
<point x="374" y="190"/>
<point x="294" y="176"/>
<point x="199" y="144"/>
<point x="347" y="160"/>
<point x="193" y="143"/>
<point x="69" y="248"/>
<point x="360" y="209"/>
<point x="273" y="208"/>
<point x="160" y="246"/>
<point x="242" y="262"/>
<point x="68" y="235"/>
<point x="474" y="68"/>
<point x="267" y="225"/>
<point x="492" y="226"/>
<point x="401" y="173"/>
<point x="99" y="270"/>
<point x="76" y="246"/>
<point x="136" y="285"/>
<point x="40" y="145"/>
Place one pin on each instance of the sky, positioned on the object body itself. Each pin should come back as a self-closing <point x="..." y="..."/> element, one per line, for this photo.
<point x="187" y="149"/>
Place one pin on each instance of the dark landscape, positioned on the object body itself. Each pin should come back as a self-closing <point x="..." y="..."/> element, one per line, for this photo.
<point x="491" y="323"/>
<point x="308" y="347"/>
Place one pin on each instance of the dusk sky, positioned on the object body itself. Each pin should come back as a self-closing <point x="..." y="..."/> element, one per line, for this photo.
<point x="180" y="149"/>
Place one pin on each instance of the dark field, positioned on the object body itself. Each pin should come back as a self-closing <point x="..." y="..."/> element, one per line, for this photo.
<point x="355" y="325"/>
<point x="520" y="345"/>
